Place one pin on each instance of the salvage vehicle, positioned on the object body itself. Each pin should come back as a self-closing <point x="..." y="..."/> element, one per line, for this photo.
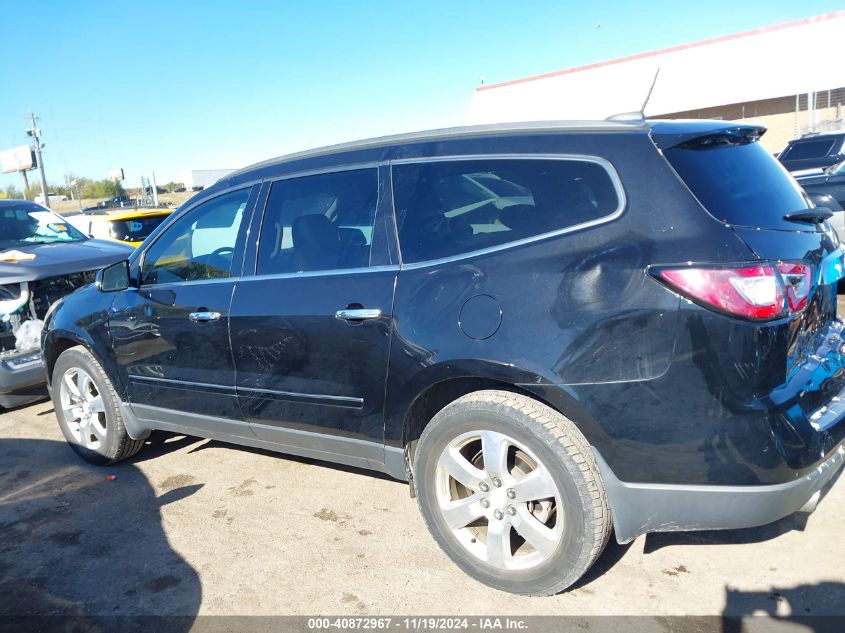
<point x="552" y="331"/>
<point x="837" y="218"/>
<point x="52" y="197"/>
<point x="825" y="180"/>
<point x="814" y="151"/>
<point x="121" y="200"/>
<point x="130" y="227"/>
<point x="42" y="259"/>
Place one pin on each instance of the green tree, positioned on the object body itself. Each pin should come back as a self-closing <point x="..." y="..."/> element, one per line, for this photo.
<point x="11" y="191"/>
<point x="105" y="188"/>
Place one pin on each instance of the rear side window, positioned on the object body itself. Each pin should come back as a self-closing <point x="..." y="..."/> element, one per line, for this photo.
<point x="321" y="222"/>
<point x="802" y="150"/>
<point x="446" y="208"/>
<point x="739" y="183"/>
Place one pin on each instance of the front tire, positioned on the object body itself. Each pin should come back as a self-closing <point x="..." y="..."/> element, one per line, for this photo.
<point x="511" y="492"/>
<point x="88" y="409"/>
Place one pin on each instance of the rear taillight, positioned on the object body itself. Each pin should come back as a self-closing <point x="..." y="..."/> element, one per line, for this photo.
<point x="758" y="292"/>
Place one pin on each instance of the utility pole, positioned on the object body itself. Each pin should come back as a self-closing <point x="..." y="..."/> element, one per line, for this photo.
<point x="155" y="190"/>
<point x="25" y="182"/>
<point x="36" y="134"/>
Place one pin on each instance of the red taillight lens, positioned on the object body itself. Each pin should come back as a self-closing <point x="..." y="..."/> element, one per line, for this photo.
<point x="752" y="292"/>
<point x="796" y="280"/>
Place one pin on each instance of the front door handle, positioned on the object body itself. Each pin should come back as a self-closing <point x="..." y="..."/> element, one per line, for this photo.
<point x="204" y="317"/>
<point x="359" y="314"/>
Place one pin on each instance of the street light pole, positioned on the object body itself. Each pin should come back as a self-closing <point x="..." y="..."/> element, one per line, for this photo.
<point x="36" y="134"/>
<point x="25" y="182"/>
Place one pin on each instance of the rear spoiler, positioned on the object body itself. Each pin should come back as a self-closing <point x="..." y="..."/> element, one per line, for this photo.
<point x="666" y="135"/>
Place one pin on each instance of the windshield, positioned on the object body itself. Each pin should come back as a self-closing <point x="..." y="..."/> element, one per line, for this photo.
<point x="806" y="149"/>
<point x="136" y="229"/>
<point x="23" y="226"/>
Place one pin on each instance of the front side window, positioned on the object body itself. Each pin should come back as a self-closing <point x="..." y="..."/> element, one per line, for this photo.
<point x="200" y="245"/>
<point x="459" y="206"/>
<point x="319" y="222"/>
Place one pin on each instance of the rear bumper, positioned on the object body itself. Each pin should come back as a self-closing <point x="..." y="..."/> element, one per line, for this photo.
<point x="22" y="380"/>
<point x="641" y="508"/>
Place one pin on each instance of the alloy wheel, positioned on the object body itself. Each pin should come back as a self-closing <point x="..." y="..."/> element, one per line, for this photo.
<point x="83" y="408"/>
<point x="499" y="500"/>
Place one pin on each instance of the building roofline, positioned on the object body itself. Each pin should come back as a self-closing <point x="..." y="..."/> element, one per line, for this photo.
<point x="671" y="49"/>
<point x="447" y="134"/>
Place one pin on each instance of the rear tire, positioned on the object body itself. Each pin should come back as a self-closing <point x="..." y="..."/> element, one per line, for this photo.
<point x="510" y="490"/>
<point x="88" y="409"/>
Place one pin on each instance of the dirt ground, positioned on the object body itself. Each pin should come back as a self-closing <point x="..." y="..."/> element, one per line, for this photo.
<point x="197" y="527"/>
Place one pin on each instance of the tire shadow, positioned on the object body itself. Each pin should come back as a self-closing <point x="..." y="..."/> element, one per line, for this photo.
<point x="76" y="544"/>
<point x="611" y="555"/>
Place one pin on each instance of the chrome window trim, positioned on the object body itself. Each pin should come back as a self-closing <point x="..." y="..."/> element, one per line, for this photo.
<point x="585" y="158"/>
<point x="328" y="170"/>
<point x="192" y="282"/>
<point x="320" y="273"/>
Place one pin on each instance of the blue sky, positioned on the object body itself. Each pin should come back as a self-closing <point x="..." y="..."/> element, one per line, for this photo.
<point x="168" y="86"/>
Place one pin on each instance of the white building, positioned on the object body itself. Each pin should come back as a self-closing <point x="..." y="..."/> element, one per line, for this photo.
<point x="202" y="178"/>
<point x="789" y="77"/>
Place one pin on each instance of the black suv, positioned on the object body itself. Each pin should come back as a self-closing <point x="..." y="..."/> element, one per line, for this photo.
<point x="551" y="330"/>
<point x="813" y="151"/>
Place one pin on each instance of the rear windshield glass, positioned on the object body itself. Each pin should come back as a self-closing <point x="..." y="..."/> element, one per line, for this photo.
<point x="740" y="184"/>
<point x="803" y="150"/>
<point x="136" y="229"/>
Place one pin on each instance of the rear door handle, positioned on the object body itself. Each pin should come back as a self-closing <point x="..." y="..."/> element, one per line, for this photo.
<point x="204" y="317"/>
<point x="359" y="314"/>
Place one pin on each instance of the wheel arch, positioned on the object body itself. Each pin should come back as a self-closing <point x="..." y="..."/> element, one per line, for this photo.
<point x="58" y="342"/>
<point x="436" y="394"/>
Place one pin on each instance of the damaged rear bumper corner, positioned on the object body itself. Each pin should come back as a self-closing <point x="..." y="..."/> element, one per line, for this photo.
<point x="642" y="508"/>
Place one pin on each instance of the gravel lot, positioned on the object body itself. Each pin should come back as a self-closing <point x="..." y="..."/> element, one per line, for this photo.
<point x="193" y="526"/>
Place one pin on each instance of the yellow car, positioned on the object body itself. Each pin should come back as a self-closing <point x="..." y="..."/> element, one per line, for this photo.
<point x="130" y="226"/>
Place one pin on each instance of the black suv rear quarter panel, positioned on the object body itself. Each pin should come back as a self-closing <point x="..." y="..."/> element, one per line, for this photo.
<point x="583" y="324"/>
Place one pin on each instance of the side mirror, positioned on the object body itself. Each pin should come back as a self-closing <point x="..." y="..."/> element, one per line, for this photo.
<point x="114" y="277"/>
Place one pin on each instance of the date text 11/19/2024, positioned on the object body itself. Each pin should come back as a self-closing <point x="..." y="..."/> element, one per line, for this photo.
<point x="422" y="623"/>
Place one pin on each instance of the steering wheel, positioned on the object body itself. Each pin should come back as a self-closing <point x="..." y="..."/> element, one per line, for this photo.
<point x="228" y="250"/>
<point x="219" y="260"/>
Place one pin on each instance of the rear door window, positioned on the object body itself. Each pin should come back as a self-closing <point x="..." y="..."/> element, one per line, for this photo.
<point x="319" y="222"/>
<point x="739" y="183"/>
<point x="452" y="207"/>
